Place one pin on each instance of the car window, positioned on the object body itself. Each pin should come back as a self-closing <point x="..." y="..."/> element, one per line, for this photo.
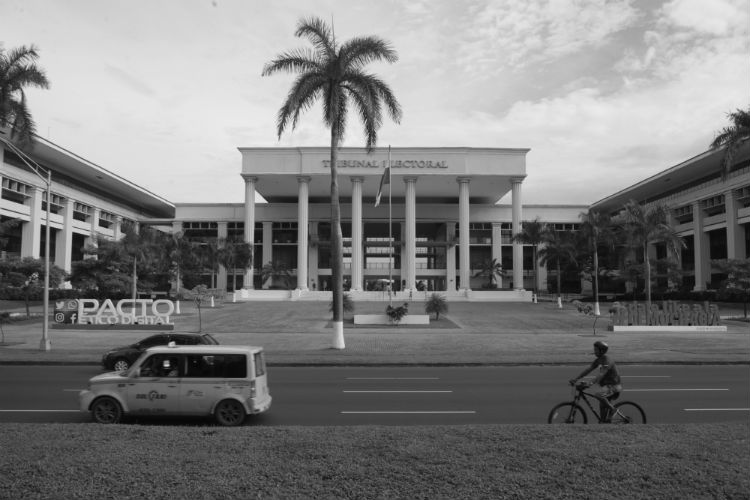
<point x="162" y="365"/>
<point x="153" y="340"/>
<point x="209" y="339"/>
<point x="216" y="366"/>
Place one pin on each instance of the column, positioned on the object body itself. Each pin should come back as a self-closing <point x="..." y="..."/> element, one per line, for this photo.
<point x="464" y="267"/>
<point x="735" y="231"/>
<point x="357" y="246"/>
<point x="249" y="235"/>
<point x="117" y="233"/>
<point x="517" y="247"/>
<point x="64" y="238"/>
<point x="31" y="233"/>
<point x="221" y="278"/>
<point x="267" y="244"/>
<point x="701" y="250"/>
<point x="94" y="229"/>
<point x="302" y="231"/>
<point x="497" y="248"/>
<point x="450" y="257"/>
<point x="312" y="256"/>
<point x="410" y="216"/>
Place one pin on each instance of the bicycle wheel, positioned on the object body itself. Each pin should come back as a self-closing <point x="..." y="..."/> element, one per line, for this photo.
<point x="567" y="413"/>
<point x="628" y="412"/>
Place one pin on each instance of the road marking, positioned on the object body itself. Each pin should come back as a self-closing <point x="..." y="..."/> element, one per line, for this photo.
<point x="392" y="378"/>
<point x="39" y="411"/>
<point x="663" y="390"/>
<point x="436" y="412"/>
<point x="646" y="376"/>
<point x="717" y="409"/>
<point x="398" y="391"/>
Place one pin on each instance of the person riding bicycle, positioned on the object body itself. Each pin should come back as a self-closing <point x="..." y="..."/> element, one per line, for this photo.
<point x="608" y="378"/>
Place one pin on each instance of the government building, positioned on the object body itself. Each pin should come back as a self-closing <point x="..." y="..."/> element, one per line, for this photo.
<point x="436" y="221"/>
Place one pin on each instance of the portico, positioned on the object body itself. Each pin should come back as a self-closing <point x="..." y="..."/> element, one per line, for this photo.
<point x="433" y="192"/>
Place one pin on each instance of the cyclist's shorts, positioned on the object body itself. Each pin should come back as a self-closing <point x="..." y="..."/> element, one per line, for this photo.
<point x="609" y="390"/>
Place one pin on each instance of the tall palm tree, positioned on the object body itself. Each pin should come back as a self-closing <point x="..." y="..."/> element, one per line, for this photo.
<point x="596" y="229"/>
<point x="532" y="233"/>
<point x="18" y="70"/>
<point x="731" y="137"/>
<point x="335" y="74"/>
<point x="488" y="268"/>
<point x="559" y="247"/>
<point x="645" y="225"/>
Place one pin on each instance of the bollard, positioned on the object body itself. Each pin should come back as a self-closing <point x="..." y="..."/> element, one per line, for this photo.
<point x="212" y="301"/>
<point x="177" y="307"/>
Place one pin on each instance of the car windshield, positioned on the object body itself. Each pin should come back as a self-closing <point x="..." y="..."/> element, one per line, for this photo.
<point x="209" y="339"/>
<point x="152" y="341"/>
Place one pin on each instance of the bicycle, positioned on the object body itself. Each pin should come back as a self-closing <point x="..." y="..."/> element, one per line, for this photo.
<point x="624" y="412"/>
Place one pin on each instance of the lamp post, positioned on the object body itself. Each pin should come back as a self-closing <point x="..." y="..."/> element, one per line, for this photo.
<point x="44" y="344"/>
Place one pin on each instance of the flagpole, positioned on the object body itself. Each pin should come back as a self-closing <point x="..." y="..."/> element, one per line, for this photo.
<point x="390" y="232"/>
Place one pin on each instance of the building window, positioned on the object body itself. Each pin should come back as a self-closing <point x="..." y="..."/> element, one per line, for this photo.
<point x="81" y="212"/>
<point x="15" y="191"/>
<point x="106" y="219"/>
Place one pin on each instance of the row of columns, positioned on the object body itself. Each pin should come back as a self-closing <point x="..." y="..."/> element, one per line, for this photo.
<point x="408" y="261"/>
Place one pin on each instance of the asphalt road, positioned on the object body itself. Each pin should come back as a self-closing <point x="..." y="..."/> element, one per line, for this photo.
<point x="417" y="395"/>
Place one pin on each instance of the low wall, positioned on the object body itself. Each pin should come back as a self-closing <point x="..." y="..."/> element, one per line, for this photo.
<point x="668" y="328"/>
<point x="383" y="319"/>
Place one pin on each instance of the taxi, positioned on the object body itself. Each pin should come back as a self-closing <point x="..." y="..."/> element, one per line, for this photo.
<point x="226" y="382"/>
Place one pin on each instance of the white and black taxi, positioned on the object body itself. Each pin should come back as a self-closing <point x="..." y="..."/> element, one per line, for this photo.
<point x="227" y="382"/>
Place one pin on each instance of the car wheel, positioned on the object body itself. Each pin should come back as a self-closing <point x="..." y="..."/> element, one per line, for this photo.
<point x="229" y="413"/>
<point x="121" y="364"/>
<point x="106" y="410"/>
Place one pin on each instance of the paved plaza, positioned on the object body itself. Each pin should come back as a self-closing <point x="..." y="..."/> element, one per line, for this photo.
<point x="300" y="333"/>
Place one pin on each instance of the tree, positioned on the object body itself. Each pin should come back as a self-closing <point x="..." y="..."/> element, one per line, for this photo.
<point x="235" y="254"/>
<point x="646" y="225"/>
<point x="276" y="271"/>
<point x="731" y="137"/>
<point x="738" y="277"/>
<point x="436" y="304"/>
<point x="532" y="233"/>
<point x="18" y="70"/>
<point x="559" y="248"/>
<point x="488" y="268"/>
<point x="335" y="74"/>
<point x="596" y="229"/>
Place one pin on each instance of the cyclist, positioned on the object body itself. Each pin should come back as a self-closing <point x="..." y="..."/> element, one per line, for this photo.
<point x="608" y="378"/>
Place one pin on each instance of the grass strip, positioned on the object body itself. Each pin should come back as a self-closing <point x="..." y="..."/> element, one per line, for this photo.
<point x="476" y="461"/>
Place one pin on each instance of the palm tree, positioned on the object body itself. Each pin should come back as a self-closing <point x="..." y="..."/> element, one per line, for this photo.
<point x="488" y="268"/>
<point x="532" y="233"/>
<point x="596" y="229"/>
<point x="233" y="254"/>
<point x="643" y="226"/>
<point x="335" y="75"/>
<point x="731" y="137"/>
<point x="18" y="70"/>
<point x="559" y="248"/>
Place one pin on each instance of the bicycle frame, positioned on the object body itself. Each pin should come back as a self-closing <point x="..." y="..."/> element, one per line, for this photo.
<point x="580" y="394"/>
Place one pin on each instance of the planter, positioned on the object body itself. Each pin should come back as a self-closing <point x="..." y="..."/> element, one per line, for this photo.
<point x="383" y="319"/>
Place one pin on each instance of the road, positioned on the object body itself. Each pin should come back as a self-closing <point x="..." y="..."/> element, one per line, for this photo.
<point x="417" y="395"/>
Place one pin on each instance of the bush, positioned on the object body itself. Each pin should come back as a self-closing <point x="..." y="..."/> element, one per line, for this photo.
<point x="348" y="304"/>
<point x="436" y="304"/>
<point x="396" y="314"/>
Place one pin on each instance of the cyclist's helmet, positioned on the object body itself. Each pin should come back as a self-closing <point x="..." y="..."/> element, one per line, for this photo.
<point x="602" y="346"/>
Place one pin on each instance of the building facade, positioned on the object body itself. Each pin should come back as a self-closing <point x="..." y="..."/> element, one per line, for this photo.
<point x="708" y="209"/>
<point x="86" y="202"/>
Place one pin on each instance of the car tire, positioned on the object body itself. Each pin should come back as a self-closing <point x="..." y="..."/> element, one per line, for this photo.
<point x="229" y="413"/>
<point x="106" y="410"/>
<point x="120" y="365"/>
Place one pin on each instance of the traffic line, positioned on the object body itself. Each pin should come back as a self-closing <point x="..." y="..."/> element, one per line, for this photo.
<point x="645" y="376"/>
<point x="392" y="378"/>
<point x="39" y="411"/>
<point x="716" y="409"/>
<point x="396" y="392"/>
<point x="664" y="390"/>
<point x="435" y="412"/>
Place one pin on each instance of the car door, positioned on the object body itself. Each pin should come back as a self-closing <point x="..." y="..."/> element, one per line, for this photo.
<point x="155" y="388"/>
<point x="201" y="384"/>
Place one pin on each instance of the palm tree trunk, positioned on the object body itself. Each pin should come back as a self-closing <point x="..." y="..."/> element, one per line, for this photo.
<point x="337" y="264"/>
<point x="648" y="276"/>
<point x="559" y="285"/>
<point x="135" y="283"/>
<point x="597" y="312"/>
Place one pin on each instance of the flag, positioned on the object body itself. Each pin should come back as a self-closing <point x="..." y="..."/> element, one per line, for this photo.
<point x="386" y="179"/>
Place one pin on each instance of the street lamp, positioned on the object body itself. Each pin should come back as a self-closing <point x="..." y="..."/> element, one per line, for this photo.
<point x="44" y="344"/>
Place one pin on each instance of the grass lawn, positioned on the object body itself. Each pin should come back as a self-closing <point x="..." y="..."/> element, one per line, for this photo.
<point x="483" y="461"/>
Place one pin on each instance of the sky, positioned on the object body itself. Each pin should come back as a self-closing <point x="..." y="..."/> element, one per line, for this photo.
<point x="604" y="93"/>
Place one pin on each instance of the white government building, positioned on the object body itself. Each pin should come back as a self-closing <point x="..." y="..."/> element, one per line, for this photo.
<point x="443" y="218"/>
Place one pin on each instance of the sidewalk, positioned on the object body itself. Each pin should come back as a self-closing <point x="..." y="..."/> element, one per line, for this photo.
<point x="299" y="333"/>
